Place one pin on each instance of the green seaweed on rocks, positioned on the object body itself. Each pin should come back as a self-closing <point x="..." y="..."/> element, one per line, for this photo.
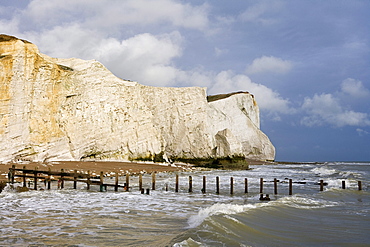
<point x="228" y="163"/>
<point x="157" y="158"/>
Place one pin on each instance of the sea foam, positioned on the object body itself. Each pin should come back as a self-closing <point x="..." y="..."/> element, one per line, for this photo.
<point x="324" y="171"/>
<point x="297" y="201"/>
<point x="217" y="209"/>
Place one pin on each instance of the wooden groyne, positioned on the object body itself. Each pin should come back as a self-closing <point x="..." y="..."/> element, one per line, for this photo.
<point x="47" y="176"/>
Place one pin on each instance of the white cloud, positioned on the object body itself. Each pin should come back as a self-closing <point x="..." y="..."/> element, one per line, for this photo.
<point x="66" y="41"/>
<point x="326" y="109"/>
<point x="354" y="88"/>
<point x="362" y="132"/>
<point x="144" y="58"/>
<point x="109" y="13"/>
<point x="92" y="30"/>
<point x="269" y="64"/>
<point x="149" y="59"/>
<point x="88" y="30"/>
<point x="322" y="104"/>
<point x="219" y="52"/>
<point x="267" y="99"/>
<point x="9" y="27"/>
<point x="258" y="12"/>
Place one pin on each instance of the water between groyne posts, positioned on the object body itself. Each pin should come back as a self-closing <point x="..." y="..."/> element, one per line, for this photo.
<point x="309" y="217"/>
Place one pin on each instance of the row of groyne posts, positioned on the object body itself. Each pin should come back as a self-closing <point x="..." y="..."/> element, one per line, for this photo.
<point x="89" y="179"/>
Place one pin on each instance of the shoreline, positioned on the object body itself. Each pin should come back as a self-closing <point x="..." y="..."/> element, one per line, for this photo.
<point x="122" y="167"/>
<point x="107" y="167"/>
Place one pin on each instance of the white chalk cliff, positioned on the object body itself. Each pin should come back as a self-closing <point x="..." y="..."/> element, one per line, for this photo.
<point x="71" y="109"/>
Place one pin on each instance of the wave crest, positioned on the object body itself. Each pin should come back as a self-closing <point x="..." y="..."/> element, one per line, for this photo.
<point x="216" y="209"/>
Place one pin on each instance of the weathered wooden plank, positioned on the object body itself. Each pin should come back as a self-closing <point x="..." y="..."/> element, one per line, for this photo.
<point x="28" y="176"/>
<point x="54" y="173"/>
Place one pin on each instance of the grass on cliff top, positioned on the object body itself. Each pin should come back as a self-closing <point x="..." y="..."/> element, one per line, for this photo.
<point x="211" y="98"/>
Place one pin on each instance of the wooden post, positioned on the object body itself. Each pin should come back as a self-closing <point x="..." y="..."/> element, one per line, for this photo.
<point x="24" y="178"/>
<point x="147" y="191"/>
<point x="321" y="185"/>
<point x="204" y="185"/>
<point x="190" y="184"/>
<point x="142" y="190"/>
<point x="217" y="185"/>
<point x="231" y="185"/>
<point x="290" y="187"/>
<point x="116" y="183"/>
<point x="153" y="181"/>
<point x="246" y="185"/>
<point x="140" y="181"/>
<point x="49" y="178"/>
<point x="128" y="181"/>
<point x="177" y="183"/>
<point x="343" y="184"/>
<point x="359" y="185"/>
<point x="61" y="179"/>
<point x="275" y="186"/>
<point x="12" y="173"/>
<point x="101" y="181"/>
<point x="35" y="179"/>
<point x="75" y="180"/>
<point x="166" y="186"/>
<point x="88" y="180"/>
<point x="261" y="185"/>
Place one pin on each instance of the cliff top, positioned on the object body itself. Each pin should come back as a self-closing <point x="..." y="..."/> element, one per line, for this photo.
<point x="5" y="38"/>
<point x="211" y="98"/>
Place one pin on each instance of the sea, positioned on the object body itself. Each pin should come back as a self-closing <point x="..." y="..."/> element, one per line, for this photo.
<point x="335" y="216"/>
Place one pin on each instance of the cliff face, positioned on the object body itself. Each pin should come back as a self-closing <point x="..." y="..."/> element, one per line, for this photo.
<point x="71" y="109"/>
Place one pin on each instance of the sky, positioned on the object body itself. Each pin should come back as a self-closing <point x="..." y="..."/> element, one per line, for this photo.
<point x="306" y="62"/>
